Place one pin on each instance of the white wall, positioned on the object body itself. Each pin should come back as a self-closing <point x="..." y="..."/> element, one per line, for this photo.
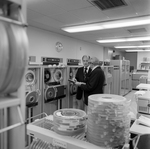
<point x="42" y="43"/>
<point x="140" y="57"/>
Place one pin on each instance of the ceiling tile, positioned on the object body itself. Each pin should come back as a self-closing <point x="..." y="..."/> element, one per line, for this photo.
<point x="33" y="14"/>
<point x="120" y="12"/>
<point x="46" y="27"/>
<point x="147" y="28"/>
<point x="142" y="7"/>
<point x="68" y="19"/>
<point x="90" y="14"/>
<point x="40" y="25"/>
<point x="49" y="22"/>
<point x="70" y="5"/>
<point x="52" y="15"/>
<point x="46" y="7"/>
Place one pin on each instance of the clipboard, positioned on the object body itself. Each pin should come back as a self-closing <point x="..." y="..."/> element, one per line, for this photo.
<point x="71" y="81"/>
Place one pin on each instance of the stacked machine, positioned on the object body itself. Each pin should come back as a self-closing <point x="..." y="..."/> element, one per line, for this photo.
<point x="109" y="76"/>
<point x="53" y="85"/>
<point x="33" y="94"/>
<point x="121" y="76"/>
<point x="72" y="67"/>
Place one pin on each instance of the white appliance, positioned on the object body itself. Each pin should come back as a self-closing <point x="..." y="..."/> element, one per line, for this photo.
<point x="143" y="104"/>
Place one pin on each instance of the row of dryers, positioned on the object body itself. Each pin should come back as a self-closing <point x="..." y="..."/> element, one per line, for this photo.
<point x="48" y="88"/>
<point x="44" y="87"/>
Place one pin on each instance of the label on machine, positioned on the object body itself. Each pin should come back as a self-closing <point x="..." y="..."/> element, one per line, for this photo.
<point x="59" y="143"/>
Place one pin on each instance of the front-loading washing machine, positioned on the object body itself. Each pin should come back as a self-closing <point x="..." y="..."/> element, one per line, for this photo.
<point x="54" y="88"/>
<point x="33" y="88"/>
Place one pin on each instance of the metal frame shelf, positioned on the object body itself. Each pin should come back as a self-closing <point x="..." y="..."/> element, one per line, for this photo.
<point x="12" y="108"/>
<point x="38" y="130"/>
<point x="62" y="141"/>
<point x="6" y="102"/>
<point x="11" y="102"/>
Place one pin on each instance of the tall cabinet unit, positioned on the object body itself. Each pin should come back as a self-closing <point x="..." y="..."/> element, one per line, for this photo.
<point x="72" y="68"/>
<point x="53" y="84"/>
<point x="127" y="77"/>
<point x="109" y="79"/>
<point x="54" y="88"/>
<point x="12" y="106"/>
<point x="33" y="89"/>
<point x="121" y="76"/>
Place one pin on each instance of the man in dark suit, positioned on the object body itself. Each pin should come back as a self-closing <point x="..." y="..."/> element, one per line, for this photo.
<point x="95" y="80"/>
<point x="81" y="76"/>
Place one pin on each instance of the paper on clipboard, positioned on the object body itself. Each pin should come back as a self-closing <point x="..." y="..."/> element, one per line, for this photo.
<point x="144" y="120"/>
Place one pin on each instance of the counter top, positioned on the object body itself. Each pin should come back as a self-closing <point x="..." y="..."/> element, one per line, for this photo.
<point x="139" y="129"/>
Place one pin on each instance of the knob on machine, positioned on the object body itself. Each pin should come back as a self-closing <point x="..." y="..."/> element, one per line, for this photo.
<point x="50" y="94"/>
<point x="58" y="75"/>
<point x="30" y="77"/>
<point x="32" y="98"/>
<point x="47" y="76"/>
<point x="73" y="89"/>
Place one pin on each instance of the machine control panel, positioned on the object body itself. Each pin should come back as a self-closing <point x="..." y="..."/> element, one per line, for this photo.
<point x="51" y="60"/>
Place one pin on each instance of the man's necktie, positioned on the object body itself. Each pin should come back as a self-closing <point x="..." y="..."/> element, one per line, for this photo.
<point x="85" y="73"/>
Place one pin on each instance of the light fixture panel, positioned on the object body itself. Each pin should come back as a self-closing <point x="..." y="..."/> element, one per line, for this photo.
<point x="125" y="39"/>
<point x="125" y="47"/>
<point x="136" y="21"/>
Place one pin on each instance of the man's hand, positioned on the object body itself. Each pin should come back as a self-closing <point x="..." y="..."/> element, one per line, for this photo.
<point x="74" y="79"/>
<point x="79" y="83"/>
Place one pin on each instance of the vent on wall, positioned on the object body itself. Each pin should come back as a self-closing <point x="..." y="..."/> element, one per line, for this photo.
<point x="107" y="4"/>
<point x="137" y="30"/>
<point x="146" y="42"/>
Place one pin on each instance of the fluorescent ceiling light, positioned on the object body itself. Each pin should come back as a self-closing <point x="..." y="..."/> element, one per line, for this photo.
<point x="124" y="39"/>
<point x="127" y="23"/>
<point x="111" y="40"/>
<point x="134" y="50"/>
<point x="83" y="28"/>
<point x="124" y="47"/>
<point x="109" y="24"/>
<point x="139" y="39"/>
<point x="137" y="50"/>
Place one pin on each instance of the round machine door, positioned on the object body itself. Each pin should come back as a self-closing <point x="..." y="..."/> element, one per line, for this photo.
<point x="47" y="76"/>
<point x="32" y="98"/>
<point x="18" y="47"/>
<point x="50" y="94"/>
<point x="73" y="89"/>
<point x="30" y="77"/>
<point x="4" y="55"/>
<point x="58" y="75"/>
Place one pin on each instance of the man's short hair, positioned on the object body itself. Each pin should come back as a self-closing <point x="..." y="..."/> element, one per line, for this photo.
<point x="85" y="56"/>
<point x="95" y="60"/>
